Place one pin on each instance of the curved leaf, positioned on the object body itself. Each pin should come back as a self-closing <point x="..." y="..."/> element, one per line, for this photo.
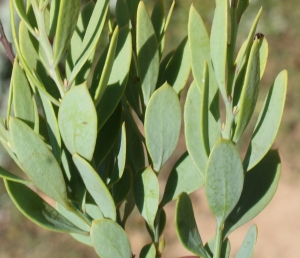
<point x="96" y="187"/>
<point x="122" y="188"/>
<point x="268" y="122"/>
<point x="146" y="194"/>
<point x="186" y="226"/>
<point x="110" y="240"/>
<point x="259" y="188"/>
<point x="184" y="177"/>
<point x="224" y="179"/>
<point x="11" y="177"/>
<point x="158" y="20"/>
<point x="38" y="211"/>
<point x="38" y="161"/>
<point x="148" y="251"/>
<point x="77" y="119"/>
<point x="147" y="52"/>
<point x="162" y="125"/>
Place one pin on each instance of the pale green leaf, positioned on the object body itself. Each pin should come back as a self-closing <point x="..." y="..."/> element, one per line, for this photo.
<point x="247" y="248"/>
<point x="162" y="125"/>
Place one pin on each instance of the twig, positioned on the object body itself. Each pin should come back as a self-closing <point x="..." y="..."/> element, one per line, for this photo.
<point x="6" y="44"/>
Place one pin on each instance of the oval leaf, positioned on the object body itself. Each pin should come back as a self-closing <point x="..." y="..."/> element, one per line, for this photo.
<point x="110" y="240"/>
<point x="96" y="187"/>
<point x="38" y="161"/>
<point x="268" y="122"/>
<point x="248" y="245"/>
<point x="224" y="179"/>
<point x="186" y="226"/>
<point x="147" y="52"/>
<point x="162" y="125"/>
<point x="77" y="119"/>
<point x="38" y="211"/>
<point x="146" y="194"/>
<point x="259" y="188"/>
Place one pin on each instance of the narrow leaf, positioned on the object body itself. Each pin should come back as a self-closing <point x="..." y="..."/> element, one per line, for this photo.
<point x="158" y="20"/>
<point x="19" y="5"/>
<point x="162" y="125"/>
<point x="122" y="188"/>
<point x="122" y="13"/>
<point x="259" y="188"/>
<point x="38" y="161"/>
<point x="186" y="226"/>
<point x="146" y="194"/>
<point x="147" y="52"/>
<point x="11" y="177"/>
<point x="224" y="179"/>
<point x="248" y="245"/>
<point x="268" y="122"/>
<point x="38" y="211"/>
<point x="110" y="240"/>
<point x="77" y="119"/>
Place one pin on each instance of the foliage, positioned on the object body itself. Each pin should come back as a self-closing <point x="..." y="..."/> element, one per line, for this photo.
<point x="71" y="127"/>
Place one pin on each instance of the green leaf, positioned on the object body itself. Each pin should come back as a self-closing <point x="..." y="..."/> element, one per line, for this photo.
<point x="22" y="97"/>
<point x="241" y="8"/>
<point x="66" y="25"/>
<point x="186" y="226"/>
<point x="158" y="20"/>
<point x="218" y="44"/>
<point x="118" y="77"/>
<point x="224" y="179"/>
<point x="96" y="187"/>
<point x="178" y="68"/>
<point x="74" y="50"/>
<point x="122" y="13"/>
<point x="148" y="251"/>
<point x="38" y="211"/>
<point x="132" y="7"/>
<point x="259" y="188"/>
<point x="82" y="239"/>
<point x="110" y="240"/>
<point x="108" y="135"/>
<point x="247" y="102"/>
<point x="109" y="62"/>
<point x="268" y="122"/>
<point x="162" y="67"/>
<point x="91" y="37"/>
<point x="94" y="211"/>
<point x="38" y="162"/>
<point x="225" y="249"/>
<point x="184" y="177"/>
<point x="146" y="194"/>
<point x="53" y="17"/>
<point x="77" y="119"/>
<point x="19" y="5"/>
<point x="129" y="206"/>
<point x="11" y="177"/>
<point x="147" y="52"/>
<point x="122" y="188"/>
<point x="248" y="245"/>
<point x="162" y="125"/>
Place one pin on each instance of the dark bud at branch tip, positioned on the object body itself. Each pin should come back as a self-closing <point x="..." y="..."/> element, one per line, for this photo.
<point x="258" y="36"/>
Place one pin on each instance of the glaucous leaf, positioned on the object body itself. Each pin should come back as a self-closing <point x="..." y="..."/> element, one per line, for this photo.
<point x="148" y="251"/>
<point x="147" y="52"/>
<point x="186" y="226"/>
<point x="224" y="179"/>
<point x="178" y="68"/>
<point x="38" y="162"/>
<point x="20" y="8"/>
<point x="248" y="245"/>
<point x="122" y="188"/>
<point x="11" y="177"/>
<point x="158" y="20"/>
<point x="162" y="125"/>
<point x="162" y="67"/>
<point x="96" y="187"/>
<point x="146" y="194"/>
<point x="184" y="177"/>
<point x="66" y="25"/>
<point x="241" y="8"/>
<point x="268" y="122"/>
<point x="38" y="211"/>
<point x="248" y="98"/>
<point x="82" y="239"/>
<point x="77" y="119"/>
<point x="259" y="188"/>
<point x="91" y="37"/>
<point x="110" y="240"/>
<point x="118" y="77"/>
<point x="218" y="43"/>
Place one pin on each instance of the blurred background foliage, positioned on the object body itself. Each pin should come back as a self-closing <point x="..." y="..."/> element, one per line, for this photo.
<point x="279" y="23"/>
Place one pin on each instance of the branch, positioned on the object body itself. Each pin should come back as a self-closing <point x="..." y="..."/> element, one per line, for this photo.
<point x="6" y="44"/>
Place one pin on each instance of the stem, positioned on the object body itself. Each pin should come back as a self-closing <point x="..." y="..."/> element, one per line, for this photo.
<point x="226" y="132"/>
<point x="218" y="241"/>
<point x="42" y="37"/>
<point x="231" y="46"/>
